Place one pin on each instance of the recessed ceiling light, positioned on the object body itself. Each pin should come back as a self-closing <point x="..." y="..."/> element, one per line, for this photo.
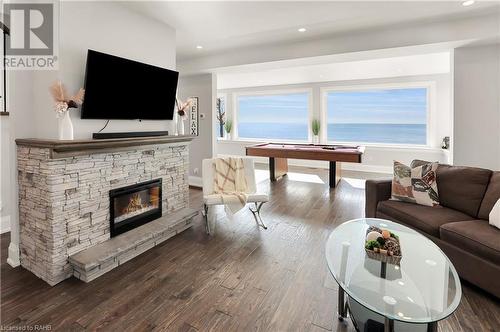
<point x="468" y="3"/>
<point x="199" y="47"/>
<point x="302" y="30"/>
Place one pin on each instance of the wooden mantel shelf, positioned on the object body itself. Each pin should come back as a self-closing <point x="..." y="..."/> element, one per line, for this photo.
<point x="70" y="148"/>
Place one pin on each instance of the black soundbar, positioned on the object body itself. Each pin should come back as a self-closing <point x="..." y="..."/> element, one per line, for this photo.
<point x="129" y="134"/>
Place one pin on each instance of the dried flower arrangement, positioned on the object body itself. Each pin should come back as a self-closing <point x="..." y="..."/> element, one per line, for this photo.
<point x="221" y="115"/>
<point x="62" y="102"/>
<point x="182" y="107"/>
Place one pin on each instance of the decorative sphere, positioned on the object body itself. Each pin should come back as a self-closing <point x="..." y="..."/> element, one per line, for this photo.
<point x="373" y="236"/>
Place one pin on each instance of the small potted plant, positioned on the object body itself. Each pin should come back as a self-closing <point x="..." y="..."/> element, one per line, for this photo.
<point x="228" y="126"/>
<point x="315" y="126"/>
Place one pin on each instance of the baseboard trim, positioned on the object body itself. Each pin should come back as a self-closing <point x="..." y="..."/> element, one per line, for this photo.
<point x="195" y="181"/>
<point x="4" y="224"/>
<point x="13" y="259"/>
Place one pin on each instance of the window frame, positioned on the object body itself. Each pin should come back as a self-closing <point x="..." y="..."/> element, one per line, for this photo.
<point x="236" y="111"/>
<point x="431" y="102"/>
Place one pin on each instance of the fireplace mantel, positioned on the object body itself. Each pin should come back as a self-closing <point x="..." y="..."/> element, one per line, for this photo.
<point x="66" y="148"/>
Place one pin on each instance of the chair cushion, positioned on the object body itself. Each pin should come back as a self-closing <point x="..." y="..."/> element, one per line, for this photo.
<point x="215" y="199"/>
<point x="475" y="236"/>
<point x="491" y="196"/>
<point x="425" y="218"/>
<point x="461" y="188"/>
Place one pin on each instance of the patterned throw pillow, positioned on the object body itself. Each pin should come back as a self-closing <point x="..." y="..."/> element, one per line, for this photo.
<point x="415" y="185"/>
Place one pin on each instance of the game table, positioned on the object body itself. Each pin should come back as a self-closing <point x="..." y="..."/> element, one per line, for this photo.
<point x="278" y="153"/>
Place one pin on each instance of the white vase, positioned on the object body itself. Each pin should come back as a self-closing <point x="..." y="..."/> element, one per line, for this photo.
<point x="315" y="139"/>
<point x="65" y="127"/>
<point x="176" y="125"/>
<point x="180" y="126"/>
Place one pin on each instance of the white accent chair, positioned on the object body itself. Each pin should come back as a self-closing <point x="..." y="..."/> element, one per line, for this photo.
<point x="210" y="199"/>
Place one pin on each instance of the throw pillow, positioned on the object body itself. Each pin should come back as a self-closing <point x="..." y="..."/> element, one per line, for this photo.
<point x="495" y="215"/>
<point x="415" y="185"/>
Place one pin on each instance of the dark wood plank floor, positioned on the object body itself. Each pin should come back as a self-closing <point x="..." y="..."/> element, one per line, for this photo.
<point x="242" y="278"/>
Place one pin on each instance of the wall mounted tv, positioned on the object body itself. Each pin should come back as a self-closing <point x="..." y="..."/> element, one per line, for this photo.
<point x="118" y="88"/>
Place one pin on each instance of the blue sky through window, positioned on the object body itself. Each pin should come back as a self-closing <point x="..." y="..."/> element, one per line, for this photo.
<point x="391" y="106"/>
<point x="284" y="116"/>
<point x="391" y="116"/>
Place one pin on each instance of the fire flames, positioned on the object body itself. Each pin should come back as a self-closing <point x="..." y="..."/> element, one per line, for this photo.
<point x="135" y="204"/>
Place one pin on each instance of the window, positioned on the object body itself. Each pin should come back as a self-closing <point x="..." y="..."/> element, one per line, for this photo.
<point x="283" y="116"/>
<point x="391" y="116"/>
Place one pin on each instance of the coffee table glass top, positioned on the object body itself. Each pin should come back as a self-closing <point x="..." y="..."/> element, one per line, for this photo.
<point x="424" y="288"/>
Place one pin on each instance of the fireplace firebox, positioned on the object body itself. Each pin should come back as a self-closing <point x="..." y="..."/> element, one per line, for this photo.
<point x="135" y="205"/>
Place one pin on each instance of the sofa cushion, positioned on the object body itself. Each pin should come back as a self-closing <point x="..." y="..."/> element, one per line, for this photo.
<point x="475" y="236"/>
<point x="461" y="188"/>
<point x="415" y="184"/>
<point x="425" y="218"/>
<point x="491" y="196"/>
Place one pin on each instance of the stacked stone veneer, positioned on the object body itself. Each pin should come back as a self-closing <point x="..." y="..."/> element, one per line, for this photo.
<point x="64" y="203"/>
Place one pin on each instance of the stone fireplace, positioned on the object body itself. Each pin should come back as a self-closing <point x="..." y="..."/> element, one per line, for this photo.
<point x="67" y="188"/>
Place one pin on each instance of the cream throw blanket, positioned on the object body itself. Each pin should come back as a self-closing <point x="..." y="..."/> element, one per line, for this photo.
<point x="230" y="183"/>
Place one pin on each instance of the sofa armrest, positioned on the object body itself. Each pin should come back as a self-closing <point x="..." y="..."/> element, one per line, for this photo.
<point x="376" y="191"/>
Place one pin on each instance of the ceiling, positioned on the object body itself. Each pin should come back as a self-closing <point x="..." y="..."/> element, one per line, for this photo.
<point x="225" y="25"/>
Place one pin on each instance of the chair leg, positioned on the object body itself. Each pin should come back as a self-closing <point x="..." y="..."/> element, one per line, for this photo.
<point x="256" y="214"/>
<point x="207" y="222"/>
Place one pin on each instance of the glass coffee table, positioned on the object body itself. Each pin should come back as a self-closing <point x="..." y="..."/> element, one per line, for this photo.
<point x="412" y="296"/>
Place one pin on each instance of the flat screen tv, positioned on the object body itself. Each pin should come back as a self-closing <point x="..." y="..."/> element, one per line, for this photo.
<point x="118" y="88"/>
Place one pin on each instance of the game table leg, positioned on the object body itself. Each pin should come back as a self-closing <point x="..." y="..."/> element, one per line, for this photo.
<point x="334" y="174"/>
<point x="278" y="167"/>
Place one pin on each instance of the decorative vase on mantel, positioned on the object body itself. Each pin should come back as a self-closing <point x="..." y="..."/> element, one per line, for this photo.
<point x="182" y="110"/>
<point x="176" y="126"/>
<point x="65" y="126"/>
<point x="180" y="125"/>
<point x="62" y="105"/>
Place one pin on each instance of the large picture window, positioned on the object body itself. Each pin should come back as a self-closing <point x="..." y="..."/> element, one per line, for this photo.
<point x="283" y="116"/>
<point x="390" y="116"/>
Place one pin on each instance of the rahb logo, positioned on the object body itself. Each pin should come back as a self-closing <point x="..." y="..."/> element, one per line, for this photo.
<point x="31" y="43"/>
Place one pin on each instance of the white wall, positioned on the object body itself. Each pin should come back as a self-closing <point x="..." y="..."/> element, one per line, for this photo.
<point x="199" y="86"/>
<point x="5" y="178"/>
<point x="110" y="28"/>
<point x="103" y="26"/>
<point x="376" y="158"/>
<point x="477" y="106"/>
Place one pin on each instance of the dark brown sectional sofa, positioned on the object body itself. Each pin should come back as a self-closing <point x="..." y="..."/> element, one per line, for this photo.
<point x="459" y="226"/>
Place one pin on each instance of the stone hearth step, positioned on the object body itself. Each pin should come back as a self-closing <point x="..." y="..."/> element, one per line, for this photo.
<point x="93" y="262"/>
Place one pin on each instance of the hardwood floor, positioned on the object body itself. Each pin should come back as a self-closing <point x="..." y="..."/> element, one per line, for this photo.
<point x="242" y="278"/>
